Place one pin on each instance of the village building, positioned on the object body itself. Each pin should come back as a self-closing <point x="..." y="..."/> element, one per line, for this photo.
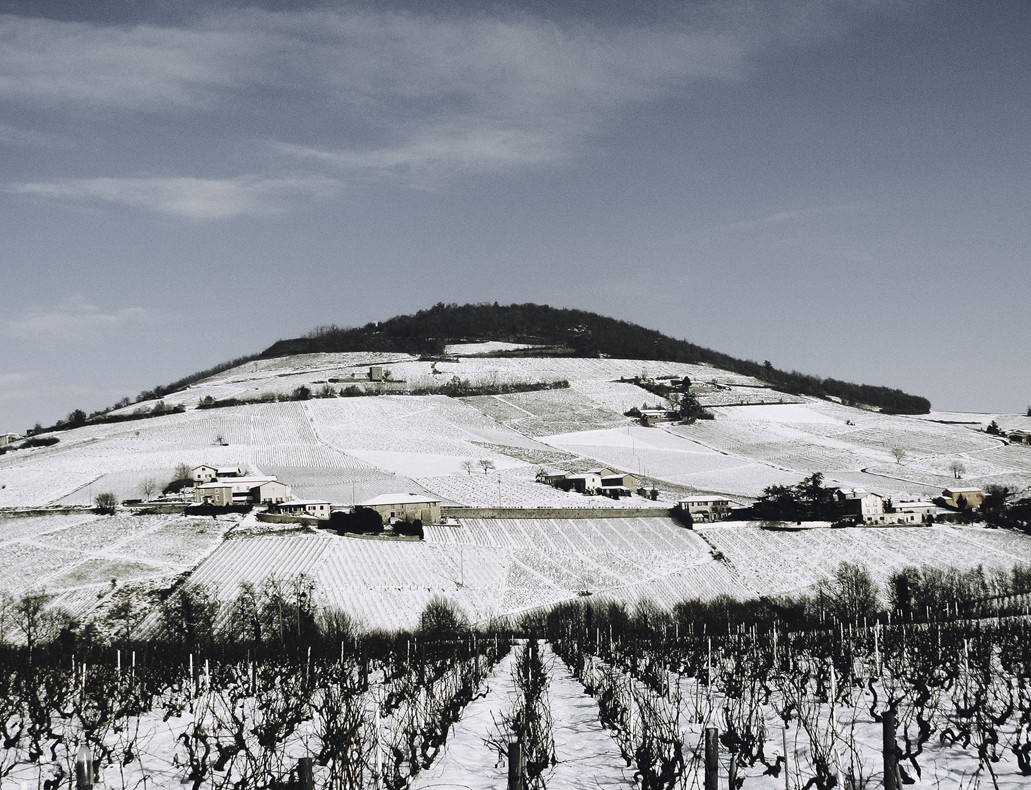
<point x="319" y="508"/>
<point x="203" y="474"/>
<point x="913" y="512"/>
<point x="623" y="480"/>
<point x="867" y="506"/>
<point x="209" y="474"/>
<point x="1019" y="437"/>
<point x="241" y="490"/>
<point x="582" y="482"/>
<point x="405" y="507"/>
<point x="9" y="438"/>
<point x="971" y="497"/>
<point x="707" y="507"/>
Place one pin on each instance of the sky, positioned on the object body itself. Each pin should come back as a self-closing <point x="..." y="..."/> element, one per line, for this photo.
<point x="841" y="188"/>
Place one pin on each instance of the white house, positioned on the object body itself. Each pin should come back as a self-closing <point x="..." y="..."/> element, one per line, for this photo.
<point x="203" y="474"/>
<point x="913" y="512"/>
<point x="707" y="507"/>
<point x="864" y="504"/>
<point x="319" y="508"/>
<point x="241" y="490"/>
<point x="9" y="438"/>
<point x="405" y="507"/>
<point x="582" y="482"/>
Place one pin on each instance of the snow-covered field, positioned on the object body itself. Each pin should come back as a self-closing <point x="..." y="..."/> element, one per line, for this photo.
<point x="83" y="559"/>
<point x="491" y="567"/>
<point x="327" y="447"/>
<point x="485" y="451"/>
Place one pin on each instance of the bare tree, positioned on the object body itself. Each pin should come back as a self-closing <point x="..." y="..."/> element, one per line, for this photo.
<point x="487" y="464"/>
<point x="957" y="469"/>
<point x="30" y="617"/>
<point x="468" y="464"/>
<point x="149" y="487"/>
<point x="127" y="615"/>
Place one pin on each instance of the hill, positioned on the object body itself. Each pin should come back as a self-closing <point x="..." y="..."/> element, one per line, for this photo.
<point x="348" y="426"/>
<point x="572" y="333"/>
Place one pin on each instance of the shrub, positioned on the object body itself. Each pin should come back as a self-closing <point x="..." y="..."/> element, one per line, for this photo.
<point x="106" y="502"/>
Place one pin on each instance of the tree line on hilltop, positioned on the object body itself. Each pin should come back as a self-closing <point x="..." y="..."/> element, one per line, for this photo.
<point x="556" y="331"/>
<point x="573" y="333"/>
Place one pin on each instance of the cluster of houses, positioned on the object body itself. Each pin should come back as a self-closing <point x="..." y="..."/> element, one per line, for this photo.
<point x="221" y="486"/>
<point x="870" y="508"/>
<point x="873" y="509"/>
<point x="594" y="482"/>
<point x="864" y="506"/>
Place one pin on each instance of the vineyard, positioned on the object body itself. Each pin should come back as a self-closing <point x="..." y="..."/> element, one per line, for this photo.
<point x="591" y="695"/>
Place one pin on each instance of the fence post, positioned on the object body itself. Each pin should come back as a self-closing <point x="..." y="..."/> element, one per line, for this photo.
<point x="305" y="774"/>
<point x="84" y="768"/>
<point x="890" y="751"/>
<point x="515" y="766"/>
<point x="712" y="758"/>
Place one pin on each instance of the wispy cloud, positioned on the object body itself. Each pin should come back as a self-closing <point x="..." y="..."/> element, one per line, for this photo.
<point x="789" y="217"/>
<point x="73" y="317"/>
<point x="411" y="94"/>
<point x="50" y="62"/>
<point x="193" y="198"/>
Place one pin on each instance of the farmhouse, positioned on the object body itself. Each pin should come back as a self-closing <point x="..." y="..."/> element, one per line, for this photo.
<point x="405" y="507"/>
<point x="9" y="438"/>
<point x="203" y="474"/>
<point x="864" y="504"/>
<point x="707" y="507"/>
<point x="318" y="508"/>
<point x="209" y="474"/>
<point x="582" y="482"/>
<point x="622" y="480"/>
<point x="241" y="490"/>
<point x="914" y="512"/>
<point x="1019" y="437"/>
<point x="971" y="497"/>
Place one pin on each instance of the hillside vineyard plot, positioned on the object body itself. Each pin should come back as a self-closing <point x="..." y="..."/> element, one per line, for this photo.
<point x="367" y="716"/>
<point x="492" y="568"/>
<point x="601" y="703"/>
<point x="779" y="562"/>
<point x="946" y="701"/>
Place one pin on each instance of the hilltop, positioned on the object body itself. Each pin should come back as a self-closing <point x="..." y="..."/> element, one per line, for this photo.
<point x="574" y="333"/>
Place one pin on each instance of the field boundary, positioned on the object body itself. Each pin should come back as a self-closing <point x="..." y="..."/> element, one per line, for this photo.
<point x="555" y="512"/>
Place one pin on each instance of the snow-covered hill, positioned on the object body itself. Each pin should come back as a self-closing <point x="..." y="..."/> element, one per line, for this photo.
<point x="346" y="449"/>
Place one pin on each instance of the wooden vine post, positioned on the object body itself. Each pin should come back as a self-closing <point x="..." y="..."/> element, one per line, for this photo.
<point x="712" y="758"/>
<point x="84" y="768"/>
<point x="890" y="747"/>
<point x="516" y="765"/>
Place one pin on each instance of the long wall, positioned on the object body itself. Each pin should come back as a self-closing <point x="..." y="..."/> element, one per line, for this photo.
<point x="545" y="512"/>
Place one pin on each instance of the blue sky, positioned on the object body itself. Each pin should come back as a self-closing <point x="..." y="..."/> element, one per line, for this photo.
<point x="839" y="188"/>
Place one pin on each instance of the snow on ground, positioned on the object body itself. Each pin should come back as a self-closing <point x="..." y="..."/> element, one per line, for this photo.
<point x="490" y="567"/>
<point x="82" y="558"/>
<point x="586" y="754"/>
<point x="366" y="440"/>
<point x="490" y="347"/>
<point x="776" y="562"/>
